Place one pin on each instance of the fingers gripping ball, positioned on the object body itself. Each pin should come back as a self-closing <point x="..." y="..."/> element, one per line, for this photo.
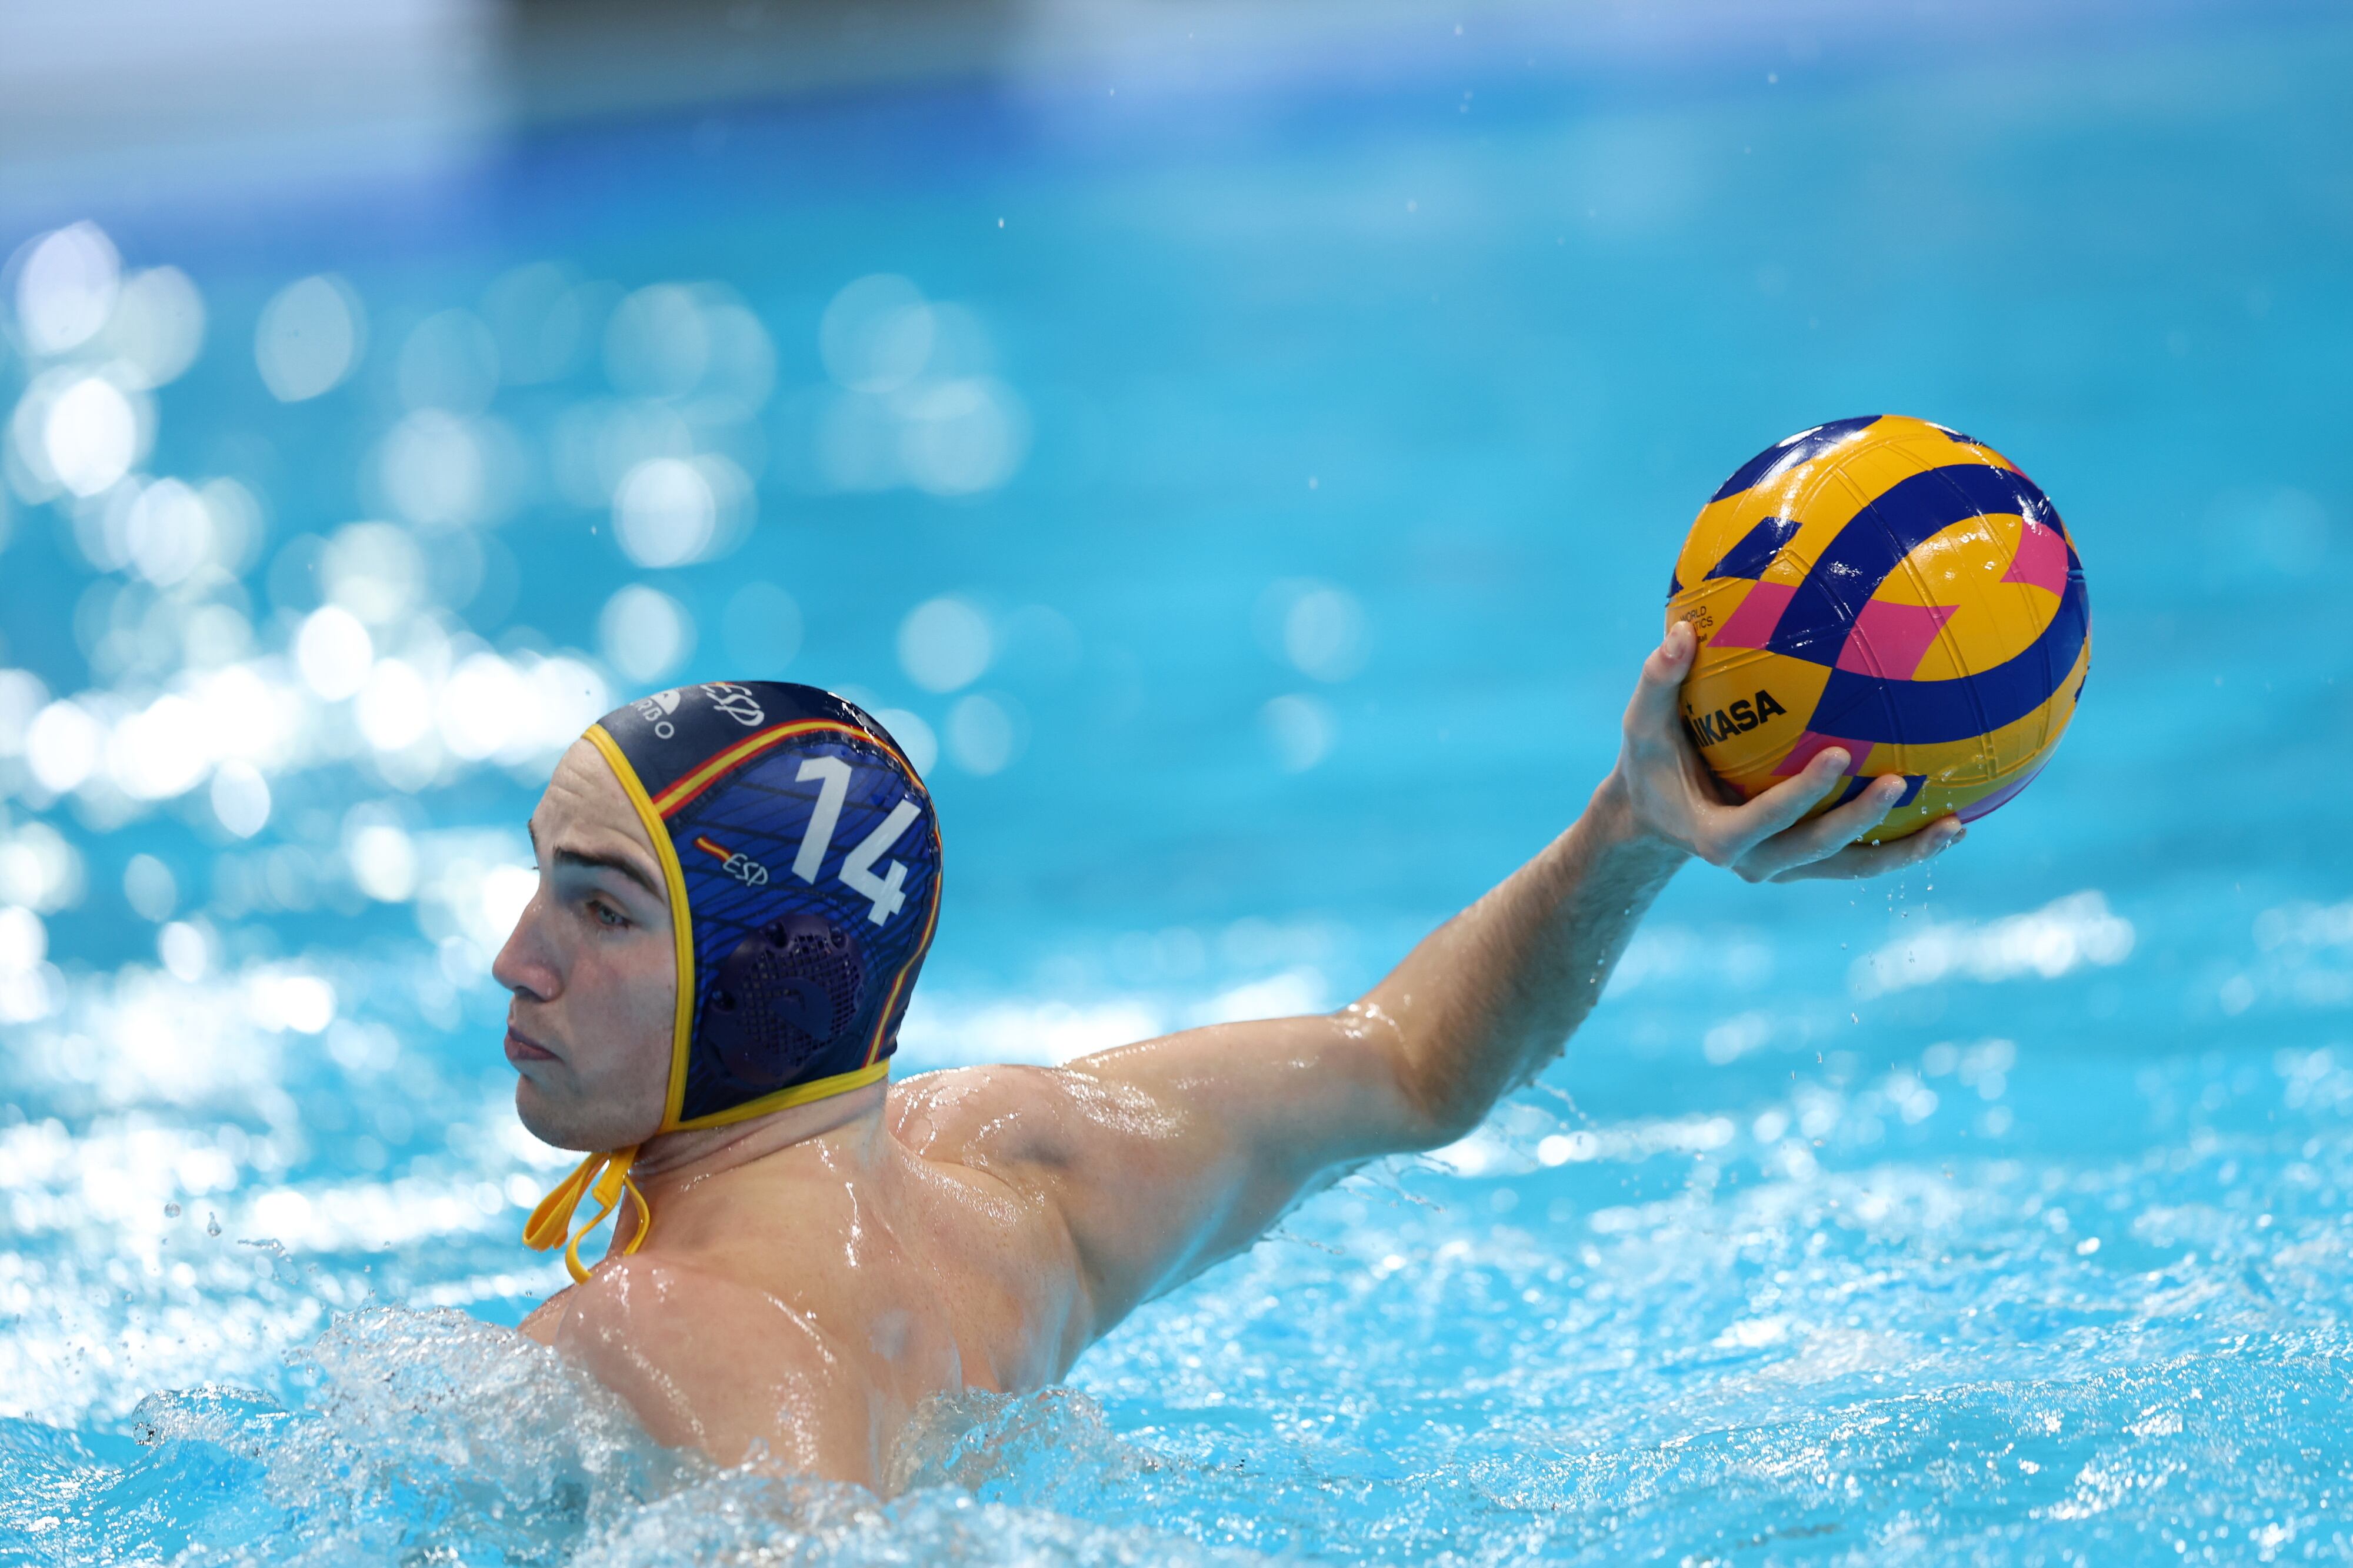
<point x="1895" y="589"/>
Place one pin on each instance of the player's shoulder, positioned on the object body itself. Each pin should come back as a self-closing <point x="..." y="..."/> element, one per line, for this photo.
<point x="708" y="1359"/>
<point x="1005" y="1114"/>
<point x="964" y="1115"/>
<point x="652" y="1298"/>
<point x="691" y="1322"/>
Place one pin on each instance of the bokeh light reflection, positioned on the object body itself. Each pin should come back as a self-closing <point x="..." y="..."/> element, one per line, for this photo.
<point x="310" y="335"/>
<point x="240" y="799"/>
<point x="91" y="434"/>
<point x="944" y="643"/>
<point x="334" y="652"/>
<point x="65" y="287"/>
<point x="668" y="512"/>
<point x="441" y="470"/>
<point x="157" y="328"/>
<point x="62" y="743"/>
<point x="644" y="633"/>
<point x="985" y="732"/>
<point x="915" y="405"/>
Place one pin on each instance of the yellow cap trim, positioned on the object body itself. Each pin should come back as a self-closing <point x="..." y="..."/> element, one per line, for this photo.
<point x="798" y="1094"/>
<point x="682" y="925"/>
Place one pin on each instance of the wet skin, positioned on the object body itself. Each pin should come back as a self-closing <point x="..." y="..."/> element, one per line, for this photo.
<point x="815" y="1274"/>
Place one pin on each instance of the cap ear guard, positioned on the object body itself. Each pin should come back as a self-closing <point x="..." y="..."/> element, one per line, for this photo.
<point x="789" y="990"/>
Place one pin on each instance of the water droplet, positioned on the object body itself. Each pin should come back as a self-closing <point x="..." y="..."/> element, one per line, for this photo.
<point x="170" y="1210"/>
<point x="212" y="1224"/>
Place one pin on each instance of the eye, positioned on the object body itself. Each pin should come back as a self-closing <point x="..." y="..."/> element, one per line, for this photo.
<point x="606" y="915"/>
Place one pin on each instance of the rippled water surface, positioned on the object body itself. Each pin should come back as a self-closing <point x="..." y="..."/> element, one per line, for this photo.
<point x="1253" y="504"/>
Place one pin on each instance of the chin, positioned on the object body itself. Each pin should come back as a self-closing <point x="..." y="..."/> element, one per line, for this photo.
<point x="540" y="1119"/>
<point x="562" y="1126"/>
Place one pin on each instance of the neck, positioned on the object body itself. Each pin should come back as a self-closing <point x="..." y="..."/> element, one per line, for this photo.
<point x="850" y="1126"/>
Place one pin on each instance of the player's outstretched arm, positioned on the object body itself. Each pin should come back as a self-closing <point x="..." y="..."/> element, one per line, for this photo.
<point x="1489" y="998"/>
<point x="1164" y="1157"/>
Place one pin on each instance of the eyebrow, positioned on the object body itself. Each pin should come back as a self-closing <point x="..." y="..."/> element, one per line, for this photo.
<point x="608" y="863"/>
<point x="577" y="858"/>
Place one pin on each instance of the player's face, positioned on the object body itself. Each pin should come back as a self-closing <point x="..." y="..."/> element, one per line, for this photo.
<point x="591" y="968"/>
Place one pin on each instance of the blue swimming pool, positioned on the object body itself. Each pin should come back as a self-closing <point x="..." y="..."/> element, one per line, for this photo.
<point x="1250" y="501"/>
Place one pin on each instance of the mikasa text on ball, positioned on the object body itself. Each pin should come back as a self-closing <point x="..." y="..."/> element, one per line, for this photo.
<point x="1890" y="587"/>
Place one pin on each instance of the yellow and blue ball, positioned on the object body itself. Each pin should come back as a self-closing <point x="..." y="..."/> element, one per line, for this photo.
<point x="1894" y="588"/>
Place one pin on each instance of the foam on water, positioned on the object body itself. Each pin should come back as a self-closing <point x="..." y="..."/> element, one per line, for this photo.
<point x="1826" y="1330"/>
<point x="431" y="1436"/>
<point x="1776" y="1285"/>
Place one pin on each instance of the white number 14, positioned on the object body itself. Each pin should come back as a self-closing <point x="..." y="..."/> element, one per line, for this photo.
<point x="858" y="866"/>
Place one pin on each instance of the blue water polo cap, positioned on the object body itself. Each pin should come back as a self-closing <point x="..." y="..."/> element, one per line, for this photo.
<point x="802" y="863"/>
<point x="802" y="859"/>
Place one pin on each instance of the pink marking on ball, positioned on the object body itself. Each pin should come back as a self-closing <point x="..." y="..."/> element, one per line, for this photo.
<point x="1889" y="640"/>
<point x="2042" y="558"/>
<point x="1751" y="625"/>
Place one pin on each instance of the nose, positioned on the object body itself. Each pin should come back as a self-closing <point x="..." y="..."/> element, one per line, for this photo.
<point x="524" y="964"/>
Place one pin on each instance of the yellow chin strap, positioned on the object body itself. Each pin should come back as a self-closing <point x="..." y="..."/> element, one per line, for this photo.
<point x="608" y="1177"/>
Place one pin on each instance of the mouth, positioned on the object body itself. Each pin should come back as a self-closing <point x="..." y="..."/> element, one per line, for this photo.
<point x="522" y="1048"/>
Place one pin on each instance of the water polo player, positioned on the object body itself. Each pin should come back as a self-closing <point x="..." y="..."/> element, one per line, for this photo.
<point x="738" y="882"/>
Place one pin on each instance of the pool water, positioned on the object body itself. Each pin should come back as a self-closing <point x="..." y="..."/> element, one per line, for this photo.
<point x="1253" y="501"/>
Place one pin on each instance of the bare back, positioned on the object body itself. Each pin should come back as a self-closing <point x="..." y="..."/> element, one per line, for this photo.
<point x="812" y="1298"/>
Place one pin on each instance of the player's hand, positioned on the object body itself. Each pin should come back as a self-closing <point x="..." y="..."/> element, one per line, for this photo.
<point x="1672" y="796"/>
